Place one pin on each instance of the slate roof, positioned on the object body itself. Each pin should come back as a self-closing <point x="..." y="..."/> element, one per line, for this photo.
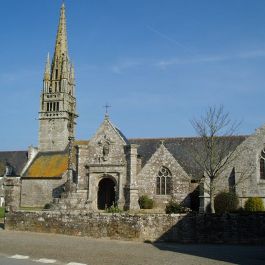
<point x="122" y="135"/>
<point x="48" y="165"/>
<point x="16" y="159"/>
<point x="54" y="164"/>
<point x="180" y="148"/>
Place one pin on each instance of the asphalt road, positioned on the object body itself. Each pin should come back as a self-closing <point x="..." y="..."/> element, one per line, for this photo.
<point x="26" y="248"/>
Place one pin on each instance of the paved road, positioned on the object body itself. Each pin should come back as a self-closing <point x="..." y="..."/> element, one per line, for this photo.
<point x="25" y="248"/>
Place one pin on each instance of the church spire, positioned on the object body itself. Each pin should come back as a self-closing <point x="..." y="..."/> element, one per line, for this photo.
<point x="58" y="103"/>
<point x="61" y="38"/>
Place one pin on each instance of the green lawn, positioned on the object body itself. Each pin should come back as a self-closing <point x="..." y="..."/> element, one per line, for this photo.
<point x="2" y="212"/>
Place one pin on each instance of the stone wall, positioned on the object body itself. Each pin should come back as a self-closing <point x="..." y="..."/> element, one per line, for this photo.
<point x="38" y="192"/>
<point x="12" y="188"/>
<point x="190" y="228"/>
<point x="53" y="133"/>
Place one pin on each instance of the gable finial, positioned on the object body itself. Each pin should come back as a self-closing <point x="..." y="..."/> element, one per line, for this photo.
<point x="107" y="106"/>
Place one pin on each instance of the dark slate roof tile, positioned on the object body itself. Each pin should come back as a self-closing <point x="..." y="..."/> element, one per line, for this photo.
<point x="180" y="148"/>
<point x="16" y="159"/>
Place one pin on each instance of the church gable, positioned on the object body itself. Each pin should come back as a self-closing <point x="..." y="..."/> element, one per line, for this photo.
<point x="159" y="169"/>
<point x="247" y="166"/>
<point x="107" y="145"/>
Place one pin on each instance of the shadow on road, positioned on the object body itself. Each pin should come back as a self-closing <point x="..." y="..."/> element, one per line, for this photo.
<point x="238" y="254"/>
<point x="209" y="237"/>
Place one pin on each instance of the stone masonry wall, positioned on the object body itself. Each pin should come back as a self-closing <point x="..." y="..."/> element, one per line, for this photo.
<point x="190" y="228"/>
<point x="53" y="134"/>
<point x="12" y="188"/>
<point x="36" y="193"/>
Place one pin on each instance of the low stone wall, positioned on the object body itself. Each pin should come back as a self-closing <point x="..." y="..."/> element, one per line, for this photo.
<point x="184" y="228"/>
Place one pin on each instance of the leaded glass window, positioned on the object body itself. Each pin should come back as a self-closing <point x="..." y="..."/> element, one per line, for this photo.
<point x="163" y="182"/>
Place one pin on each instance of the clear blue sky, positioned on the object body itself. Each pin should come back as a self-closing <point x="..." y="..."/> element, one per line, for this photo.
<point x="159" y="63"/>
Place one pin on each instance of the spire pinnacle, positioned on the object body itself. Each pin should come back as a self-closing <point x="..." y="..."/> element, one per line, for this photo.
<point x="72" y="72"/>
<point x="47" y="72"/>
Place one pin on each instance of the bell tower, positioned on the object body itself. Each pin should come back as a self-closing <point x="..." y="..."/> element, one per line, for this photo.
<point x="57" y="102"/>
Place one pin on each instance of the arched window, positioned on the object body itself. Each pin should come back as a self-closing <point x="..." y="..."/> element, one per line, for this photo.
<point x="262" y="164"/>
<point x="232" y="181"/>
<point x="163" y="182"/>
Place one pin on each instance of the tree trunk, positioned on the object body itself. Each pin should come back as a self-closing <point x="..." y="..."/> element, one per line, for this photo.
<point x="212" y="196"/>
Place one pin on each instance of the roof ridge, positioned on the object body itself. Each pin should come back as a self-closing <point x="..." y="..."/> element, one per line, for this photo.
<point x="180" y="137"/>
<point x="13" y="151"/>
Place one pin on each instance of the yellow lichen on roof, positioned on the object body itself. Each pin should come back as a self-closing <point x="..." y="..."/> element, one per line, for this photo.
<point x="48" y="166"/>
<point x="2" y="168"/>
<point x="81" y="142"/>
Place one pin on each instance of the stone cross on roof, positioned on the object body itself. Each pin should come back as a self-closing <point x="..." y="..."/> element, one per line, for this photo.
<point x="106" y="106"/>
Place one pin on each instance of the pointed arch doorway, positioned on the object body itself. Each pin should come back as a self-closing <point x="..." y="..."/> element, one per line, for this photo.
<point x="106" y="193"/>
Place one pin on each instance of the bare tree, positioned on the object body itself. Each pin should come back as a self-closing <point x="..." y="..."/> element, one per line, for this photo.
<point x="217" y="149"/>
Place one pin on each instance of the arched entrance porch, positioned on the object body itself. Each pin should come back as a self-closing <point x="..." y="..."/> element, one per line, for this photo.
<point x="106" y="193"/>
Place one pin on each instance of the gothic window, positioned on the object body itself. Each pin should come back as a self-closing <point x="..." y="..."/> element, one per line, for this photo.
<point x="262" y="164"/>
<point x="163" y="182"/>
<point x="57" y="106"/>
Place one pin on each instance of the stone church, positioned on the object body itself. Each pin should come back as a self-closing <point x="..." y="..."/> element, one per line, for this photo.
<point x="110" y="169"/>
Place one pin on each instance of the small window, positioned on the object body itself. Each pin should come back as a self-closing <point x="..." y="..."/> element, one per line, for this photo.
<point x="163" y="182"/>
